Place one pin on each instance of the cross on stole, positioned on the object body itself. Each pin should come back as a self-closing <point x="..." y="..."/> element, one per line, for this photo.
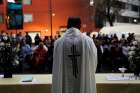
<point x="73" y="56"/>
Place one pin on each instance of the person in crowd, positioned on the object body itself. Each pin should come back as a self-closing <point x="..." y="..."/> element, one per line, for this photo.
<point x="5" y="38"/>
<point x="123" y="39"/>
<point x="59" y="36"/>
<point x="99" y="53"/>
<point x="25" y="55"/>
<point x="19" y="37"/>
<point x="37" y="39"/>
<point x="94" y="37"/>
<point x="106" y="64"/>
<point x="49" y="58"/>
<point x="1" y="36"/>
<point x="13" y="40"/>
<point x="28" y="39"/>
<point x="47" y="41"/>
<point x="131" y="37"/>
<point x="125" y="51"/>
<point x="39" y="57"/>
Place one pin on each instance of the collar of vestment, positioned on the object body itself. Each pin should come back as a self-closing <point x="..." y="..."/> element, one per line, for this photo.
<point x="72" y="32"/>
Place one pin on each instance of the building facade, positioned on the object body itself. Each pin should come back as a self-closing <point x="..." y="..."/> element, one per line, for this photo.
<point x="130" y="12"/>
<point x="48" y="17"/>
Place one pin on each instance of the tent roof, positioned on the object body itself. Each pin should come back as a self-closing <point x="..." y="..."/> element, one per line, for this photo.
<point x="121" y="29"/>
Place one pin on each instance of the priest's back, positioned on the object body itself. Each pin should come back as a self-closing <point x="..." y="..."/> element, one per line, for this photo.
<point x="74" y="65"/>
<point x="72" y="50"/>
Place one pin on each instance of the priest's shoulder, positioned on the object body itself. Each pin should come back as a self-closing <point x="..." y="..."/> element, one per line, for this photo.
<point x="88" y="38"/>
<point x="90" y="42"/>
<point x="58" y="41"/>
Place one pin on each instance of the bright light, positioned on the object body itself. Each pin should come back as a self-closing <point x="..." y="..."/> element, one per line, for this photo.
<point x="8" y="17"/>
<point x="84" y="25"/>
<point x="13" y="1"/>
<point x="91" y="3"/>
<point x="46" y="30"/>
<point x="135" y="20"/>
<point x="53" y="14"/>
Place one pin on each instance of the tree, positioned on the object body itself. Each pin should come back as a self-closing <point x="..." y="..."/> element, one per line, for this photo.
<point x="107" y="10"/>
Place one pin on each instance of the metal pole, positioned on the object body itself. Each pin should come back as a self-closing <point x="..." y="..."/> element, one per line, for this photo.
<point x="139" y="12"/>
<point x="5" y="13"/>
<point x="51" y="17"/>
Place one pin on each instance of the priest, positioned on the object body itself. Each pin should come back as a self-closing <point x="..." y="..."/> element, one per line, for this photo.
<point x="75" y="61"/>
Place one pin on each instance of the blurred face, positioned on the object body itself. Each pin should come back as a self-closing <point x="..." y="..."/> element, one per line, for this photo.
<point x="24" y="42"/>
<point x="26" y="33"/>
<point x="13" y="35"/>
<point x="5" y="36"/>
<point x="41" y="45"/>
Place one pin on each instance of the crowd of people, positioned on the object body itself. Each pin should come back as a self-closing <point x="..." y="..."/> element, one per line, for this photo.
<point x="30" y="58"/>
<point x="113" y="53"/>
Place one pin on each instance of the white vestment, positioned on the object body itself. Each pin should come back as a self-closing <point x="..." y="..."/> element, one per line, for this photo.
<point x="74" y="65"/>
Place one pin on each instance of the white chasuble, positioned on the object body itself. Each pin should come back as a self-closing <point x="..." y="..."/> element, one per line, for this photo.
<point x="74" y="66"/>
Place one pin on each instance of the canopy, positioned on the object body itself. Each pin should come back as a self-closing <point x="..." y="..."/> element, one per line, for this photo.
<point x="122" y="29"/>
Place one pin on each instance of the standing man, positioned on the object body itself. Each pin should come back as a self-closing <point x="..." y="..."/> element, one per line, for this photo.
<point x="37" y="39"/>
<point x="28" y="39"/>
<point x="74" y="62"/>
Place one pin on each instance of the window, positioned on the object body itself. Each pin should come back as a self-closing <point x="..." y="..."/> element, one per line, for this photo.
<point x="122" y="19"/>
<point x="119" y="4"/>
<point x="1" y="18"/>
<point x="135" y="8"/>
<point x="28" y="18"/>
<point x="128" y="6"/>
<point x="27" y="2"/>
